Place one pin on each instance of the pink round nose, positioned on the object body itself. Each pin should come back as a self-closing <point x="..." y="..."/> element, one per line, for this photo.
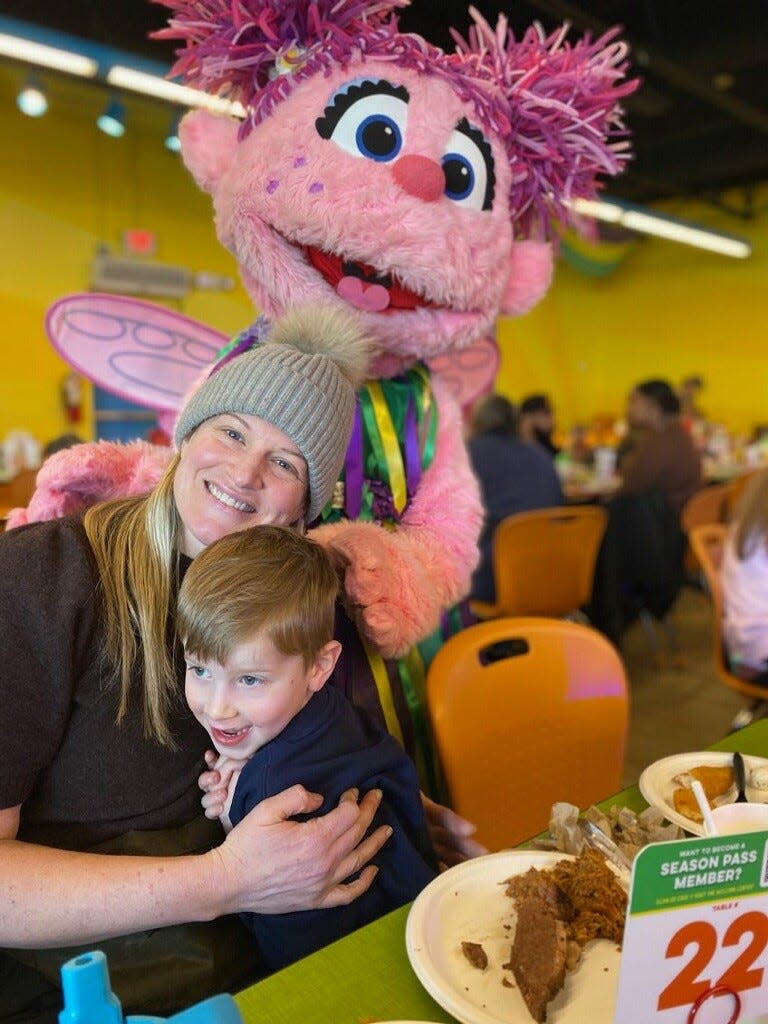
<point x="420" y="177"/>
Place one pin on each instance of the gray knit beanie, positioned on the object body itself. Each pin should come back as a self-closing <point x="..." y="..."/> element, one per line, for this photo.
<point x="303" y="380"/>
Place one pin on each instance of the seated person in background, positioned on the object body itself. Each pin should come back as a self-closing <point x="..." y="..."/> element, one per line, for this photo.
<point x="537" y="422"/>
<point x="689" y="391"/>
<point x="661" y="456"/>
<point x="514" y="477"/>
<point x="744" y="577"/>
<point x="640" y="565"/>
<point x="60" y="443"/>
<point x="256" y="616"/>
<point x="580" y="450"/>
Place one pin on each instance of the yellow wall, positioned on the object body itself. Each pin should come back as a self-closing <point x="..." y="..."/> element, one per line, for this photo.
<point x="65" y="187"/>
<point x="668" y="310"/>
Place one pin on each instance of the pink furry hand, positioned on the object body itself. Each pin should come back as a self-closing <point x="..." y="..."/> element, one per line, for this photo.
<point x="389" y="590"/>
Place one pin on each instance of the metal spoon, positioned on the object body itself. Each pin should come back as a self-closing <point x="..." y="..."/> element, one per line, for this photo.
<point x="739" y="774"/>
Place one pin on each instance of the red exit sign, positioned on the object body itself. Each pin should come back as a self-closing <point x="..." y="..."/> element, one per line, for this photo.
<point x="138" y="242"/>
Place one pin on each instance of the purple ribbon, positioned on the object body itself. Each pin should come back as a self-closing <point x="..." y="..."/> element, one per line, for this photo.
<point x="256" y="334"/>
<point x="412" y="453"/>
<point x="353" y="477"/>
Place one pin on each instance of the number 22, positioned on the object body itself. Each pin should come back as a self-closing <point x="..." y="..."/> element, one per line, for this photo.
<point x="685" y="989"/>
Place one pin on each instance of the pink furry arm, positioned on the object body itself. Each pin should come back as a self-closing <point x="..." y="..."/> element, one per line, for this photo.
<point x="399" y="581"/>
<point x="74" y="479"/>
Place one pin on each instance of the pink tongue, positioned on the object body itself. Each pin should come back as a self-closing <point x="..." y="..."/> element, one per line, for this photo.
<point x="373" y="298"/>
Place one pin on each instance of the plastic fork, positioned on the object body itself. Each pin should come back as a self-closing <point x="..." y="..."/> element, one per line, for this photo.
<point x="598" y="840"/>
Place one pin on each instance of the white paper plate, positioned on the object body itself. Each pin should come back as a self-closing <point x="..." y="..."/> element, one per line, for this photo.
<point x="657" y="786"/>
<point x="467" y="904"/>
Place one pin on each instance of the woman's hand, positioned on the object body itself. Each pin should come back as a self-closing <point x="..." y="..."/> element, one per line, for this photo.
<point x="272" y="865"/>
<point x="451" y="835"/>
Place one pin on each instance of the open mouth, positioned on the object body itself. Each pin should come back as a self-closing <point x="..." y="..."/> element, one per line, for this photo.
<point x="229" y="737"/>
<point x="362" y="286"/>
<point x="228" y="499"/>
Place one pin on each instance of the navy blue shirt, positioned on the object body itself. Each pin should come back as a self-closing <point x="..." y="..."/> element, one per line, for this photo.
<point x="329" y="747"/>
<point x="514" y="477"/>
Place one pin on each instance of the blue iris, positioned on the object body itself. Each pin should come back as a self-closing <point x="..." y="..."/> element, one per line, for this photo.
<point x="459" y="176"/>
<point x="378" y="138"/>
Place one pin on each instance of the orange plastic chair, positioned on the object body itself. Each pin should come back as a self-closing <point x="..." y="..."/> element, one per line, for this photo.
<point x="735" y="489"/>
<point x="708" y="505"/>
<point x="544" y="561"/>
<point x="707" y="543"/>
<point x="545" y="722"/>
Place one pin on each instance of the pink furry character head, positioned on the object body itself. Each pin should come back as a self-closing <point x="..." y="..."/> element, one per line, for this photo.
<point x="377" y="171"/>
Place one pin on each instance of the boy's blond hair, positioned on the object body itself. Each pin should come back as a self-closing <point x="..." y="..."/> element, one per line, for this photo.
<point x="268" y="579"/>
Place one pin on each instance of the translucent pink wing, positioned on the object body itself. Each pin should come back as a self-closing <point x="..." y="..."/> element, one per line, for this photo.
<point x="136" y="350"/>
<point x="470" y="372"/>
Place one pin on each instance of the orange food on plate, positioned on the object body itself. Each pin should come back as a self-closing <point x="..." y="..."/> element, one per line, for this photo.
<point x="715" y="780"/>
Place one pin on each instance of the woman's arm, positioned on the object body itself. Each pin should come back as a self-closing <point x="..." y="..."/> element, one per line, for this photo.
<point x="266" y="864"/>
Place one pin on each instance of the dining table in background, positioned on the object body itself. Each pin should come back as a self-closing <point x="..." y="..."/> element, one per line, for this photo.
<point x="367" y="977"/>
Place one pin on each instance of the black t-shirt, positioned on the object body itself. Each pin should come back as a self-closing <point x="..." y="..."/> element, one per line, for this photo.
<point x="81" y="778"/>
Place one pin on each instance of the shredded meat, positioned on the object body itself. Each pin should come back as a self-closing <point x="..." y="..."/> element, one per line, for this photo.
<point x="598" y="901"/>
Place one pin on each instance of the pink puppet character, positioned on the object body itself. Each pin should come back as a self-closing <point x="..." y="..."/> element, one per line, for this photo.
<point x="375" y="171"/>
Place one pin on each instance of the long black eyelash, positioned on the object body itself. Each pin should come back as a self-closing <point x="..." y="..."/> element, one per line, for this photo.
<point x="484" y="146"/>
<point x="342" y="101"/>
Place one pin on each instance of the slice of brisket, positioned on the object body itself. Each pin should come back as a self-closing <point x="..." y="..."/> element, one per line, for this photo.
<point x="538" y="953"/>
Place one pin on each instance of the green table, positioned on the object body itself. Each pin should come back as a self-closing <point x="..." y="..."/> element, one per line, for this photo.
<point x="366" y="976"/>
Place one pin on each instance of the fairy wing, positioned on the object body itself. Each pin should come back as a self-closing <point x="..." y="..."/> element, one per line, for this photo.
<point x="470" y="372"/>
<point x="136" y="350"/>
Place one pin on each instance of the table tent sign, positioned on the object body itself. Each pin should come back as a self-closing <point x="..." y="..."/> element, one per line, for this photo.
<point x="696" y="939"/>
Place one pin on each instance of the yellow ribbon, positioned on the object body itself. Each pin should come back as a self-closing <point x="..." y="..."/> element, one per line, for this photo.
<point x="381" y="678"/>
<point x="391" y="446"/>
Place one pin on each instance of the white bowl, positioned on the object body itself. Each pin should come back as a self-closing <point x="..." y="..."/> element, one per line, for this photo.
<point x="732" y="819"/>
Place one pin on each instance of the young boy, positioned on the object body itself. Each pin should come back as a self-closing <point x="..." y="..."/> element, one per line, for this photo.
<point x="256" y="615"/>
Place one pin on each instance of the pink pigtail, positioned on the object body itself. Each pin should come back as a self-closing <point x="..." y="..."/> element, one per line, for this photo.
<point x="556" y="107"/>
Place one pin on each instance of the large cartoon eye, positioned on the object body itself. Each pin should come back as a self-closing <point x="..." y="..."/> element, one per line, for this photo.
<point x="367" y="119"/>
<point x="468" y="167"/>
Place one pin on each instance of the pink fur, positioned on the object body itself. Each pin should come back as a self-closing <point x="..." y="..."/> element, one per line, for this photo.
<point x="530" y="275"/>
<point x="75" y="478"/>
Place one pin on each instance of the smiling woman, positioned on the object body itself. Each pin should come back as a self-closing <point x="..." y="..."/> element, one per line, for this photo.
<point x="103" y="757"/>
<point x="237" y="471"/>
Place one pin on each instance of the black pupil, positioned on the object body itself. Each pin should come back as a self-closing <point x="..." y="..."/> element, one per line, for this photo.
<point x="457" y="177"/>
<point x="379" y="138"/>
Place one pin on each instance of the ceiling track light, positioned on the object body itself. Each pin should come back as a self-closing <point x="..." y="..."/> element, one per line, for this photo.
<point x="31" y="99"/>
<point x="172" y="141"/>
<point x="112" y="119"/>
<point x="650" y="222"/>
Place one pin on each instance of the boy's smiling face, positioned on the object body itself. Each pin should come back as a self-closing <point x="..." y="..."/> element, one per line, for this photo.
<point x="250" y="698"/>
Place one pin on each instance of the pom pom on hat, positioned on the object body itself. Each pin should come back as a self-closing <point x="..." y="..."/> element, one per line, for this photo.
<point x="303" y="380"/>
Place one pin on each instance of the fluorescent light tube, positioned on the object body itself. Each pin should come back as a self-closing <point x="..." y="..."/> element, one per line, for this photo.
<point x="688" y="234"/>
<point x="648" y="222"/>
<point x="47" y="56"/>
<point x="160" y="88"/>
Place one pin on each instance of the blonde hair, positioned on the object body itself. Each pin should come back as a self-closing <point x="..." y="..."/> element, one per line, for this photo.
<point x="268" y="579"/>
<point x="135" y="542"/>
<point x="751" y="516"/>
